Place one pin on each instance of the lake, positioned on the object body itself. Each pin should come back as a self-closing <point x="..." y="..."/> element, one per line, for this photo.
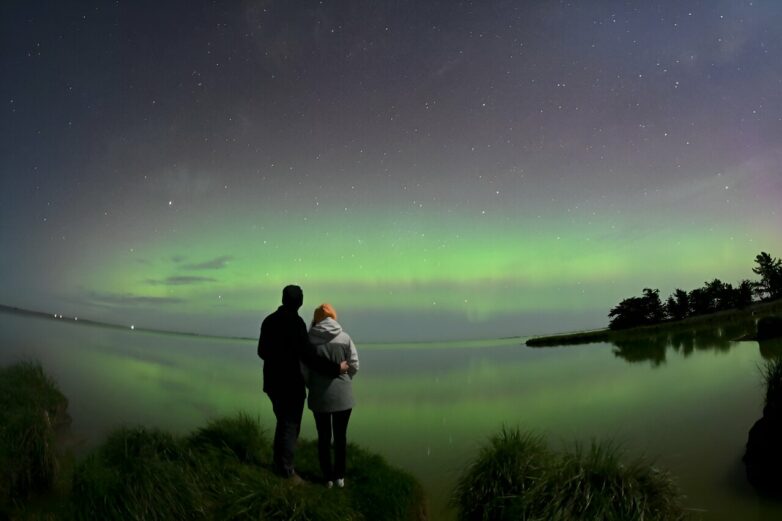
<point x="688" y="400"/>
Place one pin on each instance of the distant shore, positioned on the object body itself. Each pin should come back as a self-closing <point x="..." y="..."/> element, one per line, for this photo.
<point x="89" y="322"/>
<point x="749" y="314"/>
<point x="450" y="342"/>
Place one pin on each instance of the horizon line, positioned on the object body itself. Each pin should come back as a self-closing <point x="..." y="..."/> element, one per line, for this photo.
<point x="91" y="322"/>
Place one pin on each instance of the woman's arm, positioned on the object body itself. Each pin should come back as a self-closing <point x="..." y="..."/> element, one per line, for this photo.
<point x="353" y="360"/>
<point x="307" y="354"/>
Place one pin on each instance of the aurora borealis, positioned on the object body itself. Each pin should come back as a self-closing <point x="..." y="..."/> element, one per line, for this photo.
<point x="436" y="170"/>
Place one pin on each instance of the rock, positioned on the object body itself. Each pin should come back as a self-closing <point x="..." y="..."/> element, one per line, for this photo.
<point x="771" y="349"/>
<point x="763" y="458"/>
<point x="769" y="327"/>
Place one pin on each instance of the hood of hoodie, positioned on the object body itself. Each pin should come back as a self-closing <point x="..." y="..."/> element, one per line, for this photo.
<point x="324" y="331"/>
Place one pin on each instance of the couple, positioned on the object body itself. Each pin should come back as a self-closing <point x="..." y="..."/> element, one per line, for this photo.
<point x="326" y="360"/>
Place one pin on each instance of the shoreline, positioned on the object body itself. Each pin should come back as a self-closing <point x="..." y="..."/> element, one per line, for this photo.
<point x="453" y="342"/>
<point x="750" y="313"/>
<point x="88" y="322"/>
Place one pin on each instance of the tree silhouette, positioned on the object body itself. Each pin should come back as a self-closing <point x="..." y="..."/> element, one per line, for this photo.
<point x="716" y="290"/>
<point x="677" y="306"/>
<point x="720" y="296"/>
<point x="654" y="306"/>
<point x="711" y="297"/>
<point x="743" y="294"/>
<point x="700" y="302"/>
<point x="728" y="297"/>
<point x="770" y="271"/>
<point x="638" y="311"/>
<point x="736" y="298"/>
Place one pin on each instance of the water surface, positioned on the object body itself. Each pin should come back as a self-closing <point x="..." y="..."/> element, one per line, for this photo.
<point x="689" y="400"/>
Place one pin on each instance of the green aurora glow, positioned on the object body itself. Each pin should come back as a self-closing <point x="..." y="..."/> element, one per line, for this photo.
<point x="438" y="184"/>
<point x="471" y="267"/>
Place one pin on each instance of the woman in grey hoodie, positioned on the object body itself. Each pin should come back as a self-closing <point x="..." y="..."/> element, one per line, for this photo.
<point x="331" y="398"/>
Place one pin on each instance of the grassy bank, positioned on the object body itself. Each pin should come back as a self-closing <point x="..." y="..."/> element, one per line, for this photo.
<point x="746" y="317"/>
<point x="223" y="471"/>
<point x="219" y="471"/>
<point x="516" y="476"/>
<point x="33" y="412"/>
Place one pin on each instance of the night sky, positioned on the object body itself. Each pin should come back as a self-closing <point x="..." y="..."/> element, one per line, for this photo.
<point x="433" y="169"/>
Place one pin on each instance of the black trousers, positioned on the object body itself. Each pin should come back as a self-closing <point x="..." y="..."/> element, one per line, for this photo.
<point x="336" y="423"/>
<point x="288" y="411"/>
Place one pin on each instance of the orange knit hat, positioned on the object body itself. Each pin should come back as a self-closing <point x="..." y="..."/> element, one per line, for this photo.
<point x="323" y="311"/>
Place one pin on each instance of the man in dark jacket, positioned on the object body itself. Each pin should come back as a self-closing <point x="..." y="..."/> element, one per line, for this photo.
<point x="282" y="344"/>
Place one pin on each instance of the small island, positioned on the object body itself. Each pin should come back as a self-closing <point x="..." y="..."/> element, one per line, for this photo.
<point x="715" y="303"/>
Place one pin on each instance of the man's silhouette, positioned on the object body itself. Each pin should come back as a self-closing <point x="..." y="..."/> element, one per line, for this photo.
<point x="282" y="344"/>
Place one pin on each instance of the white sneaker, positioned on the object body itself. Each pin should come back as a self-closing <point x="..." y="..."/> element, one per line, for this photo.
<point x="329" y="484"/>
<point x="341" y="483"/>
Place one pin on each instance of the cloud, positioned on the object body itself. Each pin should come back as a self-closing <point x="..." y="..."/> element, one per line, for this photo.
<point x="129" y="299"/>
<point x="214" y="264"/>
<point x="179" y="281"/>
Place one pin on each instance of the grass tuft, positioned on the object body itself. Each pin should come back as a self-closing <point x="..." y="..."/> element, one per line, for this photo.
<point x="772" y="379"/>
<point x="139" y="474"/>
<point x="32" y="412"/>
<point x="594" y="483"/>
<point x="516" y="476"/>
<point x="240" y="435"/>
<point x="503" y="478"/>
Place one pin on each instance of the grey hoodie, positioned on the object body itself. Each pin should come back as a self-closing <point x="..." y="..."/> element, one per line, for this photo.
<point x="331" y="394"/>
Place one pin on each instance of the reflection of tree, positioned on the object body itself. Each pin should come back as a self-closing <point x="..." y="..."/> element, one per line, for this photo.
<point x="740" y="328"/>
<point x="713" y="339"/>
<point x="651" y="349"/>
<point x="683" y="341"/>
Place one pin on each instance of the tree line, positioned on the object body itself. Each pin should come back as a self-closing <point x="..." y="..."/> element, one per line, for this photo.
<point x="714" y="296"/>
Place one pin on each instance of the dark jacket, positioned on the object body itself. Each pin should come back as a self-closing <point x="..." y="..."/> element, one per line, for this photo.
<point x="282" y="344"/>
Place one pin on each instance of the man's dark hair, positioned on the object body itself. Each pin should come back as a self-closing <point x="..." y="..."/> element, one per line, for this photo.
<point x="292" y="297"/>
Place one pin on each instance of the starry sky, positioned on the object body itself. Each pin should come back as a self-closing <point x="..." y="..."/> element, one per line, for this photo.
<point x="434" y="169"/>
